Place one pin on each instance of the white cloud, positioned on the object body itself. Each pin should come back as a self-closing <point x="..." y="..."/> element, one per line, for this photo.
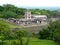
<point x="32" y="3"/>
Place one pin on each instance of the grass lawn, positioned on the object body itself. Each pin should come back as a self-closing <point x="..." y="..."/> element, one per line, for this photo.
<point x="35" y="41"/>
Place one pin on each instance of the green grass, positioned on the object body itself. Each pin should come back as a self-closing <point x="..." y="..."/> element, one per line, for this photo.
<point x="42" y="42"/>
<point x="8" y="24"/>
<point x="35" y="41"/>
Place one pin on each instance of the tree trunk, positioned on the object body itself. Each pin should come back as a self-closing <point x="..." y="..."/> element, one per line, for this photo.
<point x="20" y="41"/>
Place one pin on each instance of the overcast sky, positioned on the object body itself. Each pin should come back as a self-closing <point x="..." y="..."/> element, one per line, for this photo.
<point x="32" y="3"/>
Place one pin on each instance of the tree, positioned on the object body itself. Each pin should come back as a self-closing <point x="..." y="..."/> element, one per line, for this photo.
<point x="55" y="13"/>
<point x="57" y="38"/>
<point x="1" y="8"/>
<point x="19" y="35"/>
<point x="52" y="32"/>
<point x="8" y="11"/>
<point x="44" y="34"/>
<point x="10" y="14"/>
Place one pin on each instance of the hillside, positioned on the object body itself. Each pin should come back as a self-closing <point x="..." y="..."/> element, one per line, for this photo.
<point x="4" y="23"/>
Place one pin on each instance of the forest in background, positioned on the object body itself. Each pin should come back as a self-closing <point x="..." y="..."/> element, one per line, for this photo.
<point x="11" y="11"/>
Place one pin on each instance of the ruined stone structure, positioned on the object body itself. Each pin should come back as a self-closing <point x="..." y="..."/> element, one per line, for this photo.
<point x="30" y="19"/>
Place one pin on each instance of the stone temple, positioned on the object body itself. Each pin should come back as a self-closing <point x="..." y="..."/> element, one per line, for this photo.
<point x="29" y="18"/>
